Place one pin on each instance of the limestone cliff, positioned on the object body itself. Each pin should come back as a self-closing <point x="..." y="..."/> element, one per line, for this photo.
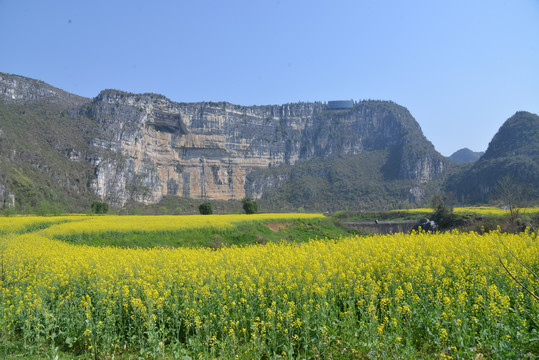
<point x="143" y="147"/>
<point x="17" y="89"/>
<point x="206" y="150"/>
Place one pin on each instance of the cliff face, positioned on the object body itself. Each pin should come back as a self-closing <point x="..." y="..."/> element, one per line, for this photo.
<point x="143" y="147"/>
<point x="15" y="89"/>
<point x="44" y="144"/>
<point x="154" y="147"/>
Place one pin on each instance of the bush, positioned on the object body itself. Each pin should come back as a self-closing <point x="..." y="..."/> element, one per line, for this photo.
<point x="100" y="207"/>
<point x="443" y="213"/>
<point x="249" y="206"/>
<point x="205" y="208"/>
<point x="44" y="208"/>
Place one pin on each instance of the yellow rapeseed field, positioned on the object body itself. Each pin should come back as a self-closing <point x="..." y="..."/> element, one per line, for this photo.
<point x="104" y="224"/>
<point x="414" y="295"/>
<point x="480" y="210"/>
<point x="13" y="224"/>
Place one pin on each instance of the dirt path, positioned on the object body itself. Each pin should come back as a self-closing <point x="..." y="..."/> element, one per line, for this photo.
<point x="276" y="226"/>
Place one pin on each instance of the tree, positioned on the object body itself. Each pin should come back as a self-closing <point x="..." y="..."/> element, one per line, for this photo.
<point x="249" y="206"/>
<point x="511" y="195"/>
<point x="46" y="208"/>
<point x="443" y="213"/>
<point x="205" y="208"/>
<point x="100" y="207"/>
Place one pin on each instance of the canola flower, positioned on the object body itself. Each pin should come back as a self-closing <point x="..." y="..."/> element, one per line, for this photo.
<point x="112" y="223"/>
<point x="479" y="210"/>
<point x="20" y="223"/>
<point x="404" y="295"/>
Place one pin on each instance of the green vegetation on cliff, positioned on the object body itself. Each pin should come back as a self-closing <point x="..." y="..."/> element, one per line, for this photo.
<point x="58" y="150"/>
<point x="362" y="181"/>
<point x="512" y="153"/>
<point x="42" y="158"/>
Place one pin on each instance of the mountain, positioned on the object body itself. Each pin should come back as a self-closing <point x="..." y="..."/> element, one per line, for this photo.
<point x="465" y="155"/>
<point x="207" y="150"/>
<point x="123" y="147"/>
<point x="44" y="144"/>
<point x="15" y="89"/>
<point x="512" y="153"/>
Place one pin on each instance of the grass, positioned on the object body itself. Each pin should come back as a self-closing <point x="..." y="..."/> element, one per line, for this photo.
<point x="247" y="233"/>
<point x="41" y="136"/>
<point x="37" y="226"/>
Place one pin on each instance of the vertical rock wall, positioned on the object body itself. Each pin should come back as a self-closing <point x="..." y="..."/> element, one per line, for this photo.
<point x="152" y="147"/>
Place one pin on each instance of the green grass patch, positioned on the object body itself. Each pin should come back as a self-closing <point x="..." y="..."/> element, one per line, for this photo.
<point x="37" y="226"/>
<point x="243" y="234"/>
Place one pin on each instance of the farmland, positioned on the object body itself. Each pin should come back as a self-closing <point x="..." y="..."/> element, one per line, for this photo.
<point x="442" y="295"/>
<point x="480" y="210"/>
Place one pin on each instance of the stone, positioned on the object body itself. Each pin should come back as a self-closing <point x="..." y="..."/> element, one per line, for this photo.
<point x="426" y="225"/>
<point x="143" y="147"/>
<point x="207" y="150"/>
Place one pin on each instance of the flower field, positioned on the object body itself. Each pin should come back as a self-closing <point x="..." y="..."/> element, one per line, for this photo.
<point x="479" y="210"/>
<point x="402" y="296"/>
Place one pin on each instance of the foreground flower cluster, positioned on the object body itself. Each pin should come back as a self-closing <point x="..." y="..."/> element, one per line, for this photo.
<point x="406" y="296"/>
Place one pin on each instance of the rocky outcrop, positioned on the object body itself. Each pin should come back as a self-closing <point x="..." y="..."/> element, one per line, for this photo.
<point x="207" y="150"/>
<point x="425" y="225"/>
<point x="7" y="199"/>
<point x="143" y="147"/>
<point x="17" y="89"/>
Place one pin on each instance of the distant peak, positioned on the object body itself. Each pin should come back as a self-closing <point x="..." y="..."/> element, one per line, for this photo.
<point x="22" y="90"/>
<point x="517" y="136"/>
<point x="466" y="155"/>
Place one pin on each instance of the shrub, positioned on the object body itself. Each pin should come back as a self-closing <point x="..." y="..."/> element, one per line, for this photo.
<point x="205" y="208"/>
<point x="443" y="213"/>
<point x="249" y="206"/>
<point x="44" y="208"/>
<point x="100" y="207"/>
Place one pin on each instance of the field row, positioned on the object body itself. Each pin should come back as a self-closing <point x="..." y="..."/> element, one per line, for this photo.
<point x="479" y="210"/>
<point x="77" y="224"/>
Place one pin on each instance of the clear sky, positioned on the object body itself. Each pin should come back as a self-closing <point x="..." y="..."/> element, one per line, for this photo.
<point x="461" y="67"/>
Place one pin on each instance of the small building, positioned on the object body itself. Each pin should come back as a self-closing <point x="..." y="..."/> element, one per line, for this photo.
<point x="340" y="104"/>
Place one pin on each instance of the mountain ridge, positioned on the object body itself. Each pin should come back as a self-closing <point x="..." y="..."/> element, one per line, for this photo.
<point x="466" y="155"/>
<point x="17" y="89"/>
<point x="229" y="141"/>
<point x="145" y="147"/>
<point x="512" y="153"/>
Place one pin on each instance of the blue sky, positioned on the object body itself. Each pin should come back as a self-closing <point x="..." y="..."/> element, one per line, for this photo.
<point x="461" y="67"/>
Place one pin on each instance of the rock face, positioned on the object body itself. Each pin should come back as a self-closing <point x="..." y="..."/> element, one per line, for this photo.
<point x="143" y="147"/>
<point x="7" y="200"/>
<point x="17" y="89"/>
<point x="155" y="147"/>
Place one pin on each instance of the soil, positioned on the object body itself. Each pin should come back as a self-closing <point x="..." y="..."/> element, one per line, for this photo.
<point x="276" y="226"/>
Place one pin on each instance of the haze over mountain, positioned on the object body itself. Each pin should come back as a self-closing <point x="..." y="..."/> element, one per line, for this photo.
<point x="120" y="147"/>
<point x="466" y="155"/>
